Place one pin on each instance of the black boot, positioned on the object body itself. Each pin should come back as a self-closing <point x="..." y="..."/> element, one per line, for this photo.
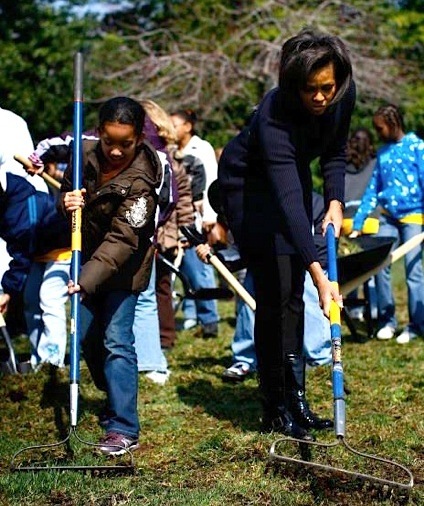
<point x="282" y="421"/>
<point x="276" y="417"/>
<point x="296" y="400"/>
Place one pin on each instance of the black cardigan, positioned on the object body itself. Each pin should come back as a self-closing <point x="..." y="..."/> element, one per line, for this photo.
<point x="265" y="175"/>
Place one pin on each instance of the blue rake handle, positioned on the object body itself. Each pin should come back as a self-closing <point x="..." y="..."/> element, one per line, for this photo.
<point x="336" y="340"/>
<point x="75" y="333"/>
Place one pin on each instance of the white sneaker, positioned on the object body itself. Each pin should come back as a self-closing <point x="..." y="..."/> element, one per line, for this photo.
<point x="385" y="333"/>
<point x="189" y="324"/>
<point x="159" y="377"/>
<point x="406" y="336"/>
<point x="357" y="313"/>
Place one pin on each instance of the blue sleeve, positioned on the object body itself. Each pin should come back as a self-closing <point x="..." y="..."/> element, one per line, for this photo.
<point x="20" y="250"/>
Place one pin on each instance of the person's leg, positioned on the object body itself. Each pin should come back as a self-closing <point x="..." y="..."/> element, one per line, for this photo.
<point x="92" y="338"/>
<point x="317" y="337"/>
<point x="278" y="285"/>
<point x="120" y="365"/>
<point x="243" y="344"/>
<point x="414" y="278"/>
<point x="167" y="327"/>
<point x="385" y="301"/>
<point x="199" y="275"/>
<point x="53" y="297"/>
<point x="32" y="309"/>
<point x="150" y="356"/>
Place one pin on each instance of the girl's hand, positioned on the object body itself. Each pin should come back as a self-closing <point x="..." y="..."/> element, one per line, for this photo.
<point x="74" y="200"/>
<point x="4" y="302"/>
<point x="203" y="251"/>
<point x="73" y="288"/>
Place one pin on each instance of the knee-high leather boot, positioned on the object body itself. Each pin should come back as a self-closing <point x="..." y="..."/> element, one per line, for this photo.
<point x="295" y="395"/>
<point x="276" y="416"/>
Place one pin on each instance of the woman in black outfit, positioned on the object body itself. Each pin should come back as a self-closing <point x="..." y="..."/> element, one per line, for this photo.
<point x="305" y="117"/>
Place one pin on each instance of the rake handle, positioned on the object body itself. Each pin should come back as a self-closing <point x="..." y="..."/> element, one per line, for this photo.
<point x="76" y="239"/>
<point x="336" y="339"/>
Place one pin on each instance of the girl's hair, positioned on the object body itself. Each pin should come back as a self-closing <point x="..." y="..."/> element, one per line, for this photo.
<point x="391" y="115"/>
<point x="356" y="156"/>
<point x="122" y="110"/>
<point x="309" y="51"/>
<point x="160" y="118"/>
<point x="188" y="116"/>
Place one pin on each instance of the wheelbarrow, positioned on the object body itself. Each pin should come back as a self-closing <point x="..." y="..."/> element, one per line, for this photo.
<point x="356" y="269"/>
<point x="373" y="252"/>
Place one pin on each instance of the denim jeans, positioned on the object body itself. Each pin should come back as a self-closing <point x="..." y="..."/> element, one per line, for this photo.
<point x="199" y="275"/>
<point x="45" y="296"/>
<point x="150" y="356"/>
<point x="243" y="344"/>
<point x="317" y="338"/>
<point x="108" y="343"/>
<point x="414" y="277"/>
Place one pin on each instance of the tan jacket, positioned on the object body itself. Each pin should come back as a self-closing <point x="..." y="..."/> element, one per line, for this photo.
<point x="117" y="221"/>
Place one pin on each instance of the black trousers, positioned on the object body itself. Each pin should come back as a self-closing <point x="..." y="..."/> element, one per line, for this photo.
<point x="279" y="319"/>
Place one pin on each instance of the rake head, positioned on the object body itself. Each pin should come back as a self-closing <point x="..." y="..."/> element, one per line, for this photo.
<point x="61" y="461"/>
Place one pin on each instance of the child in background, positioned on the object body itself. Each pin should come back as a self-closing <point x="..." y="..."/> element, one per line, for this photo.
<point x="38" y="240"/>
<point x="397" y="186"/>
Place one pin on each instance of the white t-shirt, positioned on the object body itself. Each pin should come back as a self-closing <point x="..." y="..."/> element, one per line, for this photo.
<point x="204" y="151"/>
<point x="15" y="139"/>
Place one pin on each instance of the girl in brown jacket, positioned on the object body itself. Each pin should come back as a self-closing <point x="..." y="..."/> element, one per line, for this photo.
<point x="120" y="174"/>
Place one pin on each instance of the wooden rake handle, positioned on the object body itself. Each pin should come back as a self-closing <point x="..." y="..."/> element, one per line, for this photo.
<point x="51" y="181"/>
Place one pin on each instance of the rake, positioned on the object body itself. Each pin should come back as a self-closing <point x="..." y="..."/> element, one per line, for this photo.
<point x="75" y="330"/>
<point x="390" y="467"/>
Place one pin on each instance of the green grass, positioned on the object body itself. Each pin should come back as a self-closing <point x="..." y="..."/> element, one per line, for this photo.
<point x="200" y="439"/>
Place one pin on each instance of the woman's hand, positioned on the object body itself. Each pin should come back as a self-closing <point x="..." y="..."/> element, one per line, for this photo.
<point x="334" y="215"/>
<point x="327" y="291"/>
<point x="74" y="200"/>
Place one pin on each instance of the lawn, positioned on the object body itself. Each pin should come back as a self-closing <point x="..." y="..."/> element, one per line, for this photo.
<point x="200" y="439"/>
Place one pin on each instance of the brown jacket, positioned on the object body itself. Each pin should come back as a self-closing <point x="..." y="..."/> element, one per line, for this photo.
<point x="117" y="221"/>
<point x="183" y="214"/>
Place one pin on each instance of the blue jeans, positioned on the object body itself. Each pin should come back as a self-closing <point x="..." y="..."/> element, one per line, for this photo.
<point x="45" y="296"/>
<point x="243" y="344"/>
<point x="414" y="277"/>
<point x="317" y="335"/>
<point x="150" y="356"/>
<point x="108" y="343"/>
<point x="199" y="275"/>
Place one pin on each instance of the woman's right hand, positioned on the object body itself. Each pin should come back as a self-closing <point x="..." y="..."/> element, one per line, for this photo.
<point x="327" y="291"/>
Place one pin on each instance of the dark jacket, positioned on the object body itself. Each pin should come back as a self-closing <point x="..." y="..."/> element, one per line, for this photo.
<point x="31" y="226"/>
<point x="118" y="221"/>
<point x="273" y="156"/>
